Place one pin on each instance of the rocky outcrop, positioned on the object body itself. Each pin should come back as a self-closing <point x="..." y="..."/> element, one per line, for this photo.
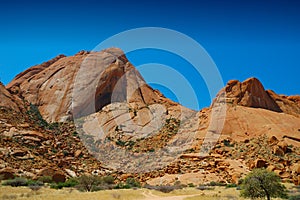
<point x="288" y="104"/>
<point x="249" y="93"/>
<point x="9" y="100"/>
<point x="84" y="84"/>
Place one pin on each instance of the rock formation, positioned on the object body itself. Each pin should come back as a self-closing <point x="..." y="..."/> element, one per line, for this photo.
<point x="8" y="100"/>
<point x="103" y="89"/>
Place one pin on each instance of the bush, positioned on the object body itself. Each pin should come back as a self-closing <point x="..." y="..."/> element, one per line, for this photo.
<point x="205" y="187"/>
<point x="296" y="197"/>
<point x="133" y="183"/>
<point x="17" y="182"/>
<point x="72" y="182"/>
<point x="166" y="188"/>
<point x="231" y="185"/>
<point x="34" y="183"/>
<point x="213" y="183"/>
<point x="122" y="186"/>
<point x="89" y="183"/>
<point x="191" y="185"/>
<point x="162" y="188"/>
<point x="57" y="186"/>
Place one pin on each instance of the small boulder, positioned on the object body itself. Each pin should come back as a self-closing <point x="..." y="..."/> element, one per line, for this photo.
<point x="283" y="145"/>
<point x="296" y="168"/>
<point x="7" y="173"/>
<point x="260" y="163"/>
<point x="59" y="177"/>
<point x="71" y="173"/>
<point x="278" y="151"/>
<point x="77" y="153"/>
<point x="273" y="140"/>
<point x="47" y="172"/>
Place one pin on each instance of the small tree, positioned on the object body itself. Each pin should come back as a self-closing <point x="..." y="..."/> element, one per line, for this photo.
<point x="89" y="183"/>
<point x="262" y="183"/>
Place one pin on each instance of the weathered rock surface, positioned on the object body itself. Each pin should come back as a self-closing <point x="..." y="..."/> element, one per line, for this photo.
<point x="8" y="100"/>
<point x="251" y="93"/>
<point x="100" y="77"/>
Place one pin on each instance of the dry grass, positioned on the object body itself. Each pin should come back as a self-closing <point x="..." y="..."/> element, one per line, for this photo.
<point x="23" y="193"/>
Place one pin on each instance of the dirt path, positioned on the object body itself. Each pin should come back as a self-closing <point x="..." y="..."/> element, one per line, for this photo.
<point x="150" y="196"/>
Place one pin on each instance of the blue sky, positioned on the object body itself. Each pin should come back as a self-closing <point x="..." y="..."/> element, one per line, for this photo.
<point x="244" y="38"/>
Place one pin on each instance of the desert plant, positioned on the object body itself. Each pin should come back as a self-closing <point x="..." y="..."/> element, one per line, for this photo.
<point x="231" y="185"/>
<point x="72" y="182"/>
<point x="133" y="183"/>
<point x="262" y="183"/>
<point x="122" y="186"/>
<point x="205" y="187"/>
<point x="213" y="183"/>
<point x="191" y="185"/>
<point x="16" y="182"/>
<point x="89" y="183"/>
<point x="294" y="197"/>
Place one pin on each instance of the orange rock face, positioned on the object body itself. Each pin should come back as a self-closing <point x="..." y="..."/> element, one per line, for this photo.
<point x="9" y="100"/>
<point x="250" y="93"/>
<point x="99" y="77"/>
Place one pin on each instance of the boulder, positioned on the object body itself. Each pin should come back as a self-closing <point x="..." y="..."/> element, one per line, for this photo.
<point x="278" y="151"/>
<point x="59" y="177"/>
<point x="235" y="177"/>
<point x="249" y="93"/>
<point x="260" y="163"/>
<point x="283" y="145"/>
<point x="296" y="168"/>
<point x="77" y="153"/>
<point x="71" y="173"/>
<point x="7" y="173"/>
<point x="47" y="172"/>
<point x="273" y="140"/>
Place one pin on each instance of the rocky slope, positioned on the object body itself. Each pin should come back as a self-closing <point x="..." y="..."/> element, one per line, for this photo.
<point x="131" y="128"/>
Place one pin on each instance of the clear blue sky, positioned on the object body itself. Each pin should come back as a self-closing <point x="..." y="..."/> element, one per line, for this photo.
<point x="244" y="38"/>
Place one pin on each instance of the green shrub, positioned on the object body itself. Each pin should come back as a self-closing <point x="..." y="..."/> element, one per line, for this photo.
<point x="133" y="183"/>
<point x="57" y="186"/>
<point x="213" y="183"/>
<point x="191" y="185"/>
<point x="227" y="143"/>
<point x="17" y="182"/>
<point x="72" y="182"/>
<point x="295" y="197"/>
<point x="122" y="186"/>
<point x="34" y="183"/>
<point x="231" y="185"/>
